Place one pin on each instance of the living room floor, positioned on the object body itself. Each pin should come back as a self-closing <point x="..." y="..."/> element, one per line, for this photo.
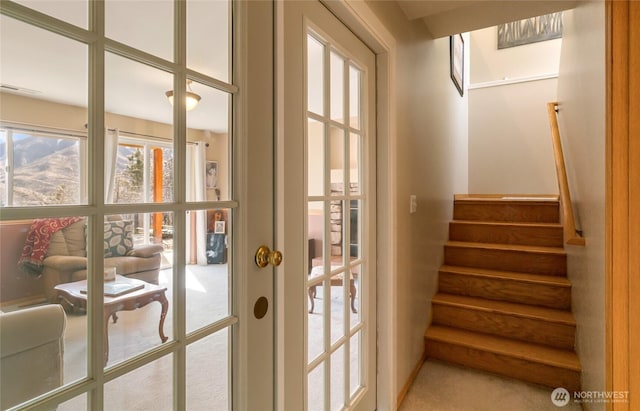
<point x="441" y="386"/>
<point x="137" y="332"/>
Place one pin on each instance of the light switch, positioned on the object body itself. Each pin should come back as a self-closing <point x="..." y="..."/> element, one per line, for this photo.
<point x="413" y="203"/>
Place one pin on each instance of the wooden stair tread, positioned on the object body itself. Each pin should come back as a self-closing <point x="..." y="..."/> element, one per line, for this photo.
<point x="517" y="310"/>
<point x="508" y="223"/>
<point x="507" y="247"/>
<point x="503" y="346"/>
<point x="508" y="275"/>
<point x="506" y="198"/>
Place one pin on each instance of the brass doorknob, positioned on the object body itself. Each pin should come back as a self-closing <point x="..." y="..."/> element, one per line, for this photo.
<point x="264" y="257"/>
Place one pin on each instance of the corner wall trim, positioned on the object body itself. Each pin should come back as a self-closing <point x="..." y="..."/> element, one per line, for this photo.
<point x="516" y="80"/>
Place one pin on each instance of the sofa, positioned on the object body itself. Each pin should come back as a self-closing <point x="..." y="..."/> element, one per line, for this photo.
<point x="66" y="258"/>
<point x="32" y="351"/>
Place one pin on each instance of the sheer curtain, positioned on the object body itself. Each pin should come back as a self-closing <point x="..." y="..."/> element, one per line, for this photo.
<point x="110" y="158"/>
<point x="196" y="192"/>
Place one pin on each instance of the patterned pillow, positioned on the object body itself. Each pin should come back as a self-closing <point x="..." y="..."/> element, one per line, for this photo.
<point x="118" y="238"/>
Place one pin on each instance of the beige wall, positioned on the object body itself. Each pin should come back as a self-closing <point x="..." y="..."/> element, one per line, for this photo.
<point x="218" y="150"/>
<point x="510" y="148"/>
<point x="581" y="93"/>
<point x="431" y="138"/>
<point x="490" y="64"/>
<point x="36" y="112"/>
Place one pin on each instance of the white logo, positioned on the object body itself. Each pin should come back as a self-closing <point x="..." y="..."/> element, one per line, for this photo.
<point x="560" y="397"/>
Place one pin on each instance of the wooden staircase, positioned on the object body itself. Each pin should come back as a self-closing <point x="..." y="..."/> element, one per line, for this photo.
<point x="504" y="301"/>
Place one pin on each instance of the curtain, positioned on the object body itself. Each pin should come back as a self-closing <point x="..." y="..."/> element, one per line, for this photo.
<point x="190" y="246"/>
<point x="110" y="158"/>
<point x="196" y="191"/>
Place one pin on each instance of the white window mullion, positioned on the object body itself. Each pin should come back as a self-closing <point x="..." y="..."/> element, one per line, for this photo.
<point x="96" y="196"/>
<point x="179" y="195"/>
<point x="346" y="283"/>
<point x="326" y="287"/>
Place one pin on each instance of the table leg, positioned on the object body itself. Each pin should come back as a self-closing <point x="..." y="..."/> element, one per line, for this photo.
<point x="352" y="291"/>
<point x="165" y="308"/>
<point x="312" y="296"/>
<point x="105" y="334"/>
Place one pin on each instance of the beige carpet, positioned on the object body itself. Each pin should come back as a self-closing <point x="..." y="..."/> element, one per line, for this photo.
<point x="445" y="387"/>
<point x="150" y="388"/>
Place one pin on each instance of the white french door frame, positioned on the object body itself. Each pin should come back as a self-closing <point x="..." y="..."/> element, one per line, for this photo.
<point x="367" y="26"/>
<point x="253" y="28"/>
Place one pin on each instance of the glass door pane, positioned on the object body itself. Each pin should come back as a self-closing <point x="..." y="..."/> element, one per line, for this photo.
<point x="335" y="200"/>
<point x="145" y="25"/>
<point x="208" y="20"/>
<point x="44" y="165"/>
<point x="119" y="395"/>
<point x="208" y="135"/>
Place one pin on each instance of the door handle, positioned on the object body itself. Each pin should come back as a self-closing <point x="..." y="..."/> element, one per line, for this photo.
<point x="264" y="257"/>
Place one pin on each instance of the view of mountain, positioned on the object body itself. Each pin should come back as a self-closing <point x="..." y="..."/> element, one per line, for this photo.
<point x="47" y="171"/>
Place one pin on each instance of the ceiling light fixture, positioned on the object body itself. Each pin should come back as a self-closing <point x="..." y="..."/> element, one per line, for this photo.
<point x="191" y="98"/>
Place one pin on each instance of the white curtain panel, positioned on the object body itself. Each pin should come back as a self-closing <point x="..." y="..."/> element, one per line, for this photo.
<point x="199" y="171"/>
<point x="110" y="158"/>
<point x="190" y="196"/>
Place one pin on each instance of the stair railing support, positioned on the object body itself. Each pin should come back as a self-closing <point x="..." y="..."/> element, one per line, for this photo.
<point x="571" y="234"/>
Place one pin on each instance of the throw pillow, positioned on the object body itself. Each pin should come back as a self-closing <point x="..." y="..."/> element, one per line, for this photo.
<point x="118" y="238"/>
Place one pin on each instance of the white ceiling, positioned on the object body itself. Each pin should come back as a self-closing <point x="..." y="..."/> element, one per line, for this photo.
<point x="444" y="18"/>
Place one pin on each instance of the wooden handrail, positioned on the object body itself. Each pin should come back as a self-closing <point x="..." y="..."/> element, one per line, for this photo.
<point x="568" y="222"/>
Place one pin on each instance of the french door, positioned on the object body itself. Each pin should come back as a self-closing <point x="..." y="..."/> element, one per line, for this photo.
<point x="95" y="70"/>
<point x="328" y="213"/>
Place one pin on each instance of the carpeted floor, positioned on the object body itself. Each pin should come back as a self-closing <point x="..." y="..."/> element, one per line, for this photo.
<point x="150" y="388"/>
<point x="446" y="387"/>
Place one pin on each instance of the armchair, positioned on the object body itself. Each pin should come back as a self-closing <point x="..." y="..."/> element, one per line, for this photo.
<point x="66" y="258"/>
<point x="32" y="350"/>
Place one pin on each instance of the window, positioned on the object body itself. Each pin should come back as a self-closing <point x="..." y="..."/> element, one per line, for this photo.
<point x="143" y="171"/>
<point x="41" y="168"/>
